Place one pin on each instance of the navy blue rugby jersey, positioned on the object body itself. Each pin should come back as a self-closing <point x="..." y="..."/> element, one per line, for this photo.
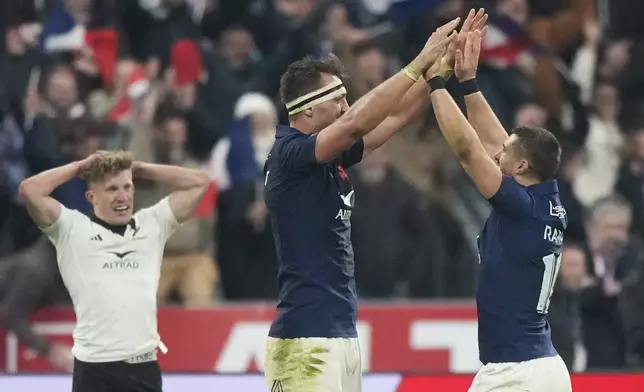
<point x="520" y="253"/>
<point x="310" y="208"/>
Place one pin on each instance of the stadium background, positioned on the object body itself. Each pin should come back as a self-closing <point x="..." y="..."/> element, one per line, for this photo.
<point x="178" y="81"/>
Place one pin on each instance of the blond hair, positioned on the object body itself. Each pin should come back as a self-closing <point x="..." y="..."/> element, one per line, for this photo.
<point x="104" y="164"/>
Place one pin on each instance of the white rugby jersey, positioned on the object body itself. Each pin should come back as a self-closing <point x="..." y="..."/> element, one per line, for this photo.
<point x="112" y="280"/>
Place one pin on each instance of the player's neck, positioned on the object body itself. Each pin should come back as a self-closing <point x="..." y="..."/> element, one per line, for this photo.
<point x="105" y="223"/>
<point x="302" y="125"/>
<point x="526" y="180"/>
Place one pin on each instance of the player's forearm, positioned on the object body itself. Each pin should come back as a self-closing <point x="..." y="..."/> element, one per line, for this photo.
<point x="458" y="133"/>
<point x="412" y="102"/>
<point x="373" y="108"/>
<point x="408" y="108"/>
<point x="178" y="178"/>
<point x="485" y="123"/>
<point x="43" y="184"/>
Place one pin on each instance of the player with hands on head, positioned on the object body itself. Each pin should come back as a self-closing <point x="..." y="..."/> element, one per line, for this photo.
<point x="521" y="242"/>
<point x="110" y="262"/>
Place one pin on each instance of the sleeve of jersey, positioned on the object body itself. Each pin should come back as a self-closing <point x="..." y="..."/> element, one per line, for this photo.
<point x="353" y="155"/>
<point x="512" y="199"/>
<point x="165" y="218"/>
<point x="60" y="230"/>
<point x="297" y="152"/>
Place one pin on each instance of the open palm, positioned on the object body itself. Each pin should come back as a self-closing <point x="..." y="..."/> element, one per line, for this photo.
<point x="467" y="59"/>
<point x="474" y="21"/>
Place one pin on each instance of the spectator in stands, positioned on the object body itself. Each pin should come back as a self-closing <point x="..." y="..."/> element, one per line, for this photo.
<point x="530" y="114"/>
<point x="27" y="281"/>
<point x="631" y="180"/>
<point x="246" y="251"/>
<point x="399" y="262"/>
<point x="612" y="256"/>
<point x="62" y="131"/>
<point x="188" y="269"/>
<point x="631" y="305"/>
<point x="237" y="46"/>
<point x="603" y="148"/>
<point x="203" y="91"/>
<point x="572" y="161"/>
<point x="564" y="312"/>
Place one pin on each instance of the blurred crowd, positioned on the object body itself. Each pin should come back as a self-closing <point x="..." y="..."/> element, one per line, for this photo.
<point x="195" y="83"/>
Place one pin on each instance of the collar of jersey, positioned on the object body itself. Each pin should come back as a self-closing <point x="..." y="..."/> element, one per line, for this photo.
<point x="546" y="187"/>
<point x="116" y="229"/>
<point x="283" y="130"/>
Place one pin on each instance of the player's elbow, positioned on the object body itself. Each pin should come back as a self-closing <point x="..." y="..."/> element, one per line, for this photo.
<point x="356" y="126"/>
<point x="202" y="180"/>
<point x="464" y="151"/>
<point x="27" y="190"/>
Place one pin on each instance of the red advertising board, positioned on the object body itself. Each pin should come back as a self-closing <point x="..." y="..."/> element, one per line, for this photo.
<point x="230" y="339"/>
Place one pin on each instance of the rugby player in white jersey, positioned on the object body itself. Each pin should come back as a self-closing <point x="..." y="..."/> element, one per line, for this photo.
<point x="110" y="263"/>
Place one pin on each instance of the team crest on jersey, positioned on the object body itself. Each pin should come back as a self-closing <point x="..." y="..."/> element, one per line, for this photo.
<point x="347" y="200"/>
<point x="558" y="211"/>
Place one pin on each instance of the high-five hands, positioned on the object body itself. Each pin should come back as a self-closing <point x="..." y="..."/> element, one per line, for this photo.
<point x="475" y="21"/>
<point x="467" y="59"/>
<point x="436" y="46"/>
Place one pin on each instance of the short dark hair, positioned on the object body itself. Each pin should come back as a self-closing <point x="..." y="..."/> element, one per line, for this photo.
<point x="303" y="76"/>
<point x="541" y="149"/>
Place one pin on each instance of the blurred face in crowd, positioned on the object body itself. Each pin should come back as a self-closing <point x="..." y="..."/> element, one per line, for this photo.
<point x="78" y="5"/>
<point x="324" y="114"/>
<point x="638" y="145"/>
<point x="608" y="228"/>
<point x="299" y="9"/>
<point x="373" y="66"/>
<point x="173" y="135"/>
<point x="616" y="56"/>
<point x="112" y="198"/>
<point x="263" y="124"/>
<point x="530" y="115"/>
<point x="571" y="168"/>
<point x="175" y="132"/>
<point x="14" y="43"/>
<point x="607" y="102"/>
<point x="373" y="169"/>
<point x="61" y="90"/>
<point x="517" y="10"/>
<point x="237" y="46"/>
<point x="573" y="267"/>
<point x="336" y="17"/>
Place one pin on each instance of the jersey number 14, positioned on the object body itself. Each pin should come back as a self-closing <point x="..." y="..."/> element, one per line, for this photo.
<point x="552" y="262"/>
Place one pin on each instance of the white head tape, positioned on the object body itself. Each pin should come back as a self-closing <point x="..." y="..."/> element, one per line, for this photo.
<point x="333" y="90"/>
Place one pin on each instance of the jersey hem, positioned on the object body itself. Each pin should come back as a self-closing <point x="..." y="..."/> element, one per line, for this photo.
<point x="519" y="359"/>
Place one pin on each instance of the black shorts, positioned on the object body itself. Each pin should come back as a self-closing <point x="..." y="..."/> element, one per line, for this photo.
<point x="116" y="377"/>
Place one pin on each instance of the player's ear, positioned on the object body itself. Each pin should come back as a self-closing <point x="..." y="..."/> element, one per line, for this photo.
<point x="89" y="195"/>
<point x="308" y="112"/>
<point x="523" y="167"/>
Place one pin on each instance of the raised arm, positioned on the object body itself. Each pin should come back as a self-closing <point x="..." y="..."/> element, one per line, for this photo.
<point x="479" y="113"/>
<point x="375" y="106"/>
<point x="189" y="186"/>
<point x="414" y="100"/>
<point x="483" y="119"/>
<point x="409" y="107"/>
<point x="35" y="191"/>
<point x="460" y="135"/>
